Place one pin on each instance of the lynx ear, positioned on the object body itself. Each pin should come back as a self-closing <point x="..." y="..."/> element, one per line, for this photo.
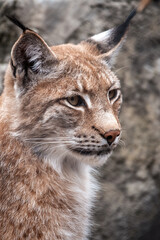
<point x="31" y="53"/>
<point x="31" y="57"/>
<point x="109" y="42"/>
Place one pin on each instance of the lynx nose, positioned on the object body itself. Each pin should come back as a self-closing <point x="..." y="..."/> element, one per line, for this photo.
<point x="111" y="136"/>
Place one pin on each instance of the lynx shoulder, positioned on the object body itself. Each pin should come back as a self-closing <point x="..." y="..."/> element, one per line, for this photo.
<point x="59" y="119"/>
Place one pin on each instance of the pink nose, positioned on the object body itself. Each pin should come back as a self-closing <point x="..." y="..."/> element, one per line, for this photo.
<point x="111" y="136"/>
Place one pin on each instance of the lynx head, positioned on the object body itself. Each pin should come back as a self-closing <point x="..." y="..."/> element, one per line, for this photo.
<point x="65" y="99"/>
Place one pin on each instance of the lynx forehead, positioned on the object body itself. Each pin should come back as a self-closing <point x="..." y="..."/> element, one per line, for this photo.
<point x="59" y="118"/>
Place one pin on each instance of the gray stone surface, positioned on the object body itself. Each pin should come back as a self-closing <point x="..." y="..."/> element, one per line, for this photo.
<point x="128" y="207"/>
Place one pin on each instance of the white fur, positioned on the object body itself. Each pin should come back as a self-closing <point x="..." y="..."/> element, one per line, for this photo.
<point x="83" y="185"/>
<point x="34" y="54"/>
<point x="103" y="36"/>
<point x="80" y="86"/>
<point x="18" y="91"/>
<point x="88" y="100"/>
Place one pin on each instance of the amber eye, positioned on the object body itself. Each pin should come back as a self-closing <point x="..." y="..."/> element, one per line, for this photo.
<point x="76" y="101"/>
<point x="112" y="94"/>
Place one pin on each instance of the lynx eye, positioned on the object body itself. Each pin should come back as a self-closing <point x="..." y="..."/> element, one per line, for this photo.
<point x="76" y="101"/>
<point x="112" y="94"/>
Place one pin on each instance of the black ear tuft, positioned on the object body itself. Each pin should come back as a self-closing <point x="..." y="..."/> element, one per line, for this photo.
<point x="119" y="32"/>
<point x="131" y="15"/>
<point x="109" y="42"/>
<point x="17" y="22"/>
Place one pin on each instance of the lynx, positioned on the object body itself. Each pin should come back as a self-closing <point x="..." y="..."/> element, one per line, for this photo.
<point x="59" y="119"/>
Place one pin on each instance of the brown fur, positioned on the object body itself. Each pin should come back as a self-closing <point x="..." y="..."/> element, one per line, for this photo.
<point x="46" y="187"/>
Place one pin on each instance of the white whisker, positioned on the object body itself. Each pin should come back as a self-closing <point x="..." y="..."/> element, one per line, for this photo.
<point x="50" y="142"/>
<point x="121" y="69"/>
<point x="121" y="143"/>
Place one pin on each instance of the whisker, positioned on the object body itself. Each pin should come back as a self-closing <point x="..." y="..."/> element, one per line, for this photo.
<point x="122" y="143"/>
<point x="51" y="142"/>
<point x="121" y="69"/>
<point x="38" y="144"/>
<point x="48" y="139"/>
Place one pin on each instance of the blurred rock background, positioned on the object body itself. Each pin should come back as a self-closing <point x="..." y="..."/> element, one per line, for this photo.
<point x="128" y="207"/>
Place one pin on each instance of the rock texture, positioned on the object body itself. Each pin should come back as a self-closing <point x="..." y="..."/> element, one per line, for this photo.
<point x="128" y="207"/>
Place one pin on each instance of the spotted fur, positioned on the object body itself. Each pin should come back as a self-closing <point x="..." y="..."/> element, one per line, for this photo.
<point x="48" y="146"/>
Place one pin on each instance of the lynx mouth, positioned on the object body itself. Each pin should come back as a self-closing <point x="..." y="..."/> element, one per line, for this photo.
<point x="83" y="151"/>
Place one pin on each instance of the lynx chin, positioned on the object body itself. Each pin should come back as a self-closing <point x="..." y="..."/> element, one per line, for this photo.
<point x="59" y="119"/>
